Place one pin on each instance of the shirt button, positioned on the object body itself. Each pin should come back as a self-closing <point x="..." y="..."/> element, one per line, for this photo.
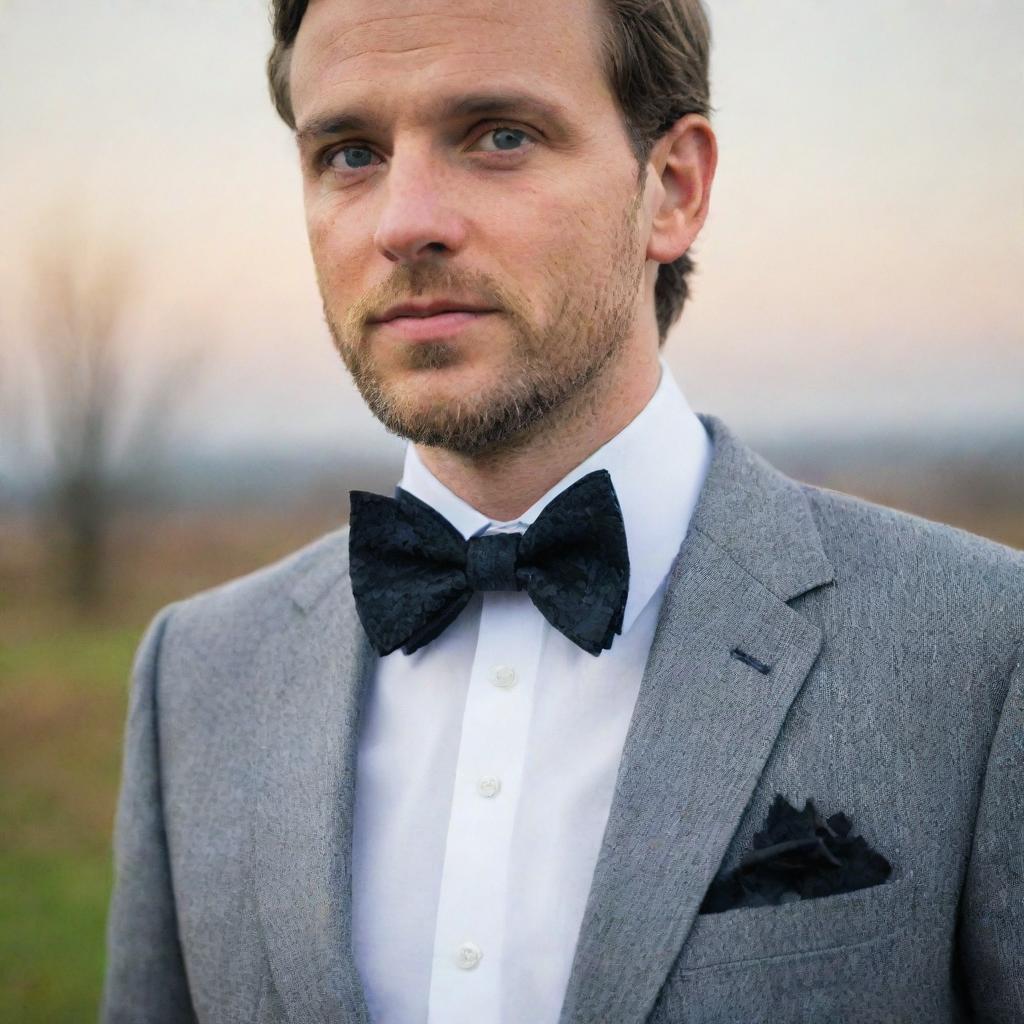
<point x="468" y="955"/>
<point x="504" y="676"/>
<point x="489" y="785"/>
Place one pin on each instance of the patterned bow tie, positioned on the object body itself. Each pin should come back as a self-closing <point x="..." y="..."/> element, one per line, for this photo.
<point x="412" y="571"/>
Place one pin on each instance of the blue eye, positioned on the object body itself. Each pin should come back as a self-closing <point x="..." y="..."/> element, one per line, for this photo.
<point x="353" y="158"/>
<point x="349" y="158"/>
<point x="508" y="138"/>
<point x="505" y="140"/>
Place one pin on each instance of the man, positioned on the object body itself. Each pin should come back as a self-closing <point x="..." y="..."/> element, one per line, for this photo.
<point x="601" y="718"/>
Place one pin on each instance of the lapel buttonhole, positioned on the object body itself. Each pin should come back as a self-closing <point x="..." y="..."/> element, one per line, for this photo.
<point x="747" y="659"/>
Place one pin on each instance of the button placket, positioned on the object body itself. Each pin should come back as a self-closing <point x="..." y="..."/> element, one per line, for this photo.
<point x="466" y="985"/>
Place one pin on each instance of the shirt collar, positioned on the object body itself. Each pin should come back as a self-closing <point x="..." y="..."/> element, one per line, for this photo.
<point x="657" y="494"/>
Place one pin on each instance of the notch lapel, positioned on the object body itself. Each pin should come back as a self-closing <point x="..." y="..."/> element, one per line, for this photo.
<point x="704" y="725"/>
<point x="313" y="673"/>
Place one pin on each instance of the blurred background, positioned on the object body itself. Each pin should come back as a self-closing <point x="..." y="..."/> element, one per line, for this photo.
<point x="172" y="412"/>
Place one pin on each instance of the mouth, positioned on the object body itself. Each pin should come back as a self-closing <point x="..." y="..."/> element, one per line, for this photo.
<point x="430" y="321"/>
<point x="424" y="308"/>
<point x="433" y="326"/>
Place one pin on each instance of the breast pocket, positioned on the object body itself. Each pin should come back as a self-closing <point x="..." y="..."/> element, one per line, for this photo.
<point x="840" y="958"/>
<point x="801" y="927"/>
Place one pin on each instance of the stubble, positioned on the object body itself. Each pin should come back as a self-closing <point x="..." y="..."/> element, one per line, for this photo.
<point x="550" y="370"/>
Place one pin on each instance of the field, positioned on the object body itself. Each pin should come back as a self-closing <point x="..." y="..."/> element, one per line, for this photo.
<point x="63" y="692"/>
<point x="63" y="698"/>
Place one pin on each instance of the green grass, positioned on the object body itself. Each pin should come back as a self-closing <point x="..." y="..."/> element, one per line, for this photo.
<point x="63" y="698"/>
<point x="52" y="915"/>
<point x="88" y="656"/>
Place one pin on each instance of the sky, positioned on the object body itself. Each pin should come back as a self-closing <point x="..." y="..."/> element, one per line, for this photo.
<point x="861" y="269"/>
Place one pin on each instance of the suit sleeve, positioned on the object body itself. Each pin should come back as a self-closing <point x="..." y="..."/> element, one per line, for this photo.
<point x="992" y="922"/>
<point x="145" y="980"/>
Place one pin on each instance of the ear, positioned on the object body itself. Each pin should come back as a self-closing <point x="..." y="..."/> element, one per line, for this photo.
<point x="680" y="170"/>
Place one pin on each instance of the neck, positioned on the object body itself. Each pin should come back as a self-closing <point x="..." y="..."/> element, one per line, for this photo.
<point x="502" y="485"/>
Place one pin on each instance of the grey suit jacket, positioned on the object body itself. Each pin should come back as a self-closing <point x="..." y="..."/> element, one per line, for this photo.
<point x="895" y="694"/>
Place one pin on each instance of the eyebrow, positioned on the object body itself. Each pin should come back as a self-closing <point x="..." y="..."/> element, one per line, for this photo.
<point x="473" y="105"/>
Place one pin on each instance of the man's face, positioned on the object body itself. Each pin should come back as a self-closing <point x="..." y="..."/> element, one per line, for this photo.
<point x="468" y="156"/>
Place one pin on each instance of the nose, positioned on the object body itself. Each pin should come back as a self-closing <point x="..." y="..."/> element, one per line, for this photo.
<point x="419" y="217"/>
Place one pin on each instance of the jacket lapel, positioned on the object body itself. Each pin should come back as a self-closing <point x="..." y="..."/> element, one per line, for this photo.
<point x="313" y="673"/>
<point x="705" y="722"/>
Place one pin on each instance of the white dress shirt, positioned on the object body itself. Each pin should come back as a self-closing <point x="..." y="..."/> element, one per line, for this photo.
<point x="487" y="760"/>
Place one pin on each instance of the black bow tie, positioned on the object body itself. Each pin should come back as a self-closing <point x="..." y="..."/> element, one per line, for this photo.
<point x="412" y="571"/>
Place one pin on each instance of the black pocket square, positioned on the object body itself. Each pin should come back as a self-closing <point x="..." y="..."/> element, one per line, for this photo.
<point x="798" y="855"/>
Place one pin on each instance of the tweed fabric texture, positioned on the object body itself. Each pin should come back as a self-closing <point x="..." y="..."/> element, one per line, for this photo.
<point x="895" y="694"/>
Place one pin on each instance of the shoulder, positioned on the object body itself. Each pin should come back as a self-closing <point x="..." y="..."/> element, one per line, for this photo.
<point x="916" y="590"/>
<point x="247" y="608"/>
<point x="887" y="545"/>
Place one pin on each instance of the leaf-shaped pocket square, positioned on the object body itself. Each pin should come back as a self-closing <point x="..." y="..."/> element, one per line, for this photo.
<point x="798" y="855"/>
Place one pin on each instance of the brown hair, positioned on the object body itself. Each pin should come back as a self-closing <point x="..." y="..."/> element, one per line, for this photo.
<point x="656" y="53"/>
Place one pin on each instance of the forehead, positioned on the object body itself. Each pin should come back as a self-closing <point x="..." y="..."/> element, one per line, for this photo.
<point x="406" y="52"/>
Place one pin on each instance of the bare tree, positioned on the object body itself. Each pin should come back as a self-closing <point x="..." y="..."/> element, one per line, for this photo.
<point x="81" y="298"/>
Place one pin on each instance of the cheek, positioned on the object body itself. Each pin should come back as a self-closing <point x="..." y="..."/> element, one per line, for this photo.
<point x="539" y="232"/>
<point x="335" y="243"/>
<point x="572" y="240"/>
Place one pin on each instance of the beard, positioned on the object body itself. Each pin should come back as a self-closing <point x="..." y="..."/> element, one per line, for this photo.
<point x="549" y="370"/>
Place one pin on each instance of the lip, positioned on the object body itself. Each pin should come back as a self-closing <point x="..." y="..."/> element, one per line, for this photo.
<point x="428" y="307"/>
<point x="444" y="324"/>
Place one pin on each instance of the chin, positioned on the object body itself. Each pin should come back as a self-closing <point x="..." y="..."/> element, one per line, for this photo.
<point x="443" y="368"/>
